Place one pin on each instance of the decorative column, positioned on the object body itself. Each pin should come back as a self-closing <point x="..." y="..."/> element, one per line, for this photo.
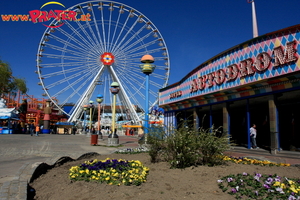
<point x="91" y="106"/>
<point x="47" y="112"/>
<point x="147" y="68"/>
<point x="226" y="120"/>
<point x="273" y="125"/>
<point x="113" y="138"/>
<point x="248" y="124"/>
<point x="99" y="100"/>
<point x="85" y="107"/>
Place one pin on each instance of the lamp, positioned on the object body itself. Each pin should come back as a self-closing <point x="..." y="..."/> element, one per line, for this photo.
<point x="113" y="138"/>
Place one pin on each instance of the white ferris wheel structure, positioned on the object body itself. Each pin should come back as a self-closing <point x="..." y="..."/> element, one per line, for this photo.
<point x="80" y="59"/>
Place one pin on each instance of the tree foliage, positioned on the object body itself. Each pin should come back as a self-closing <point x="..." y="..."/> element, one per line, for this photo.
<point x="8" y="83"/>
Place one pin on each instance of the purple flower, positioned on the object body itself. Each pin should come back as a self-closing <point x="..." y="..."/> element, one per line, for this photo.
<point x="245" y="174"/>
<point x="256" y="178"/>
<point x="269" y="181"/>
<point x="256" y="193"/>
<point x="280" y="190"/>
<point x="291" y="197"/>
<point x="258" y="175"/>
<point x="229" y="180"/>
<point x="233" y="190"/>
<point x="220" y="181"/>
<point x="278" y="178"/>
<point x="267" y="186"/>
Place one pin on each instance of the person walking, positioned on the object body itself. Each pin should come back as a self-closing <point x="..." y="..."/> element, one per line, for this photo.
<point x="37" y="130"/>
<point x="31" y="129"/>
<point x="253" y="134"/>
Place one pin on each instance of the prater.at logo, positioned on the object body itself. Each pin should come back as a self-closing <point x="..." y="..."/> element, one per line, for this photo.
<point x="59" y="15"/>
<point x="42" y="16"/>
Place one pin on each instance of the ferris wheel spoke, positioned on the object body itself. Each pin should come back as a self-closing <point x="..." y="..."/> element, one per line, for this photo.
<point x="147" y="52"/>
<point x="67" y="43"/>
<point x="158" y="76"/>
<point x="134" y="88"/>
<point x="63" y="72"/>
<point x="127" y="33"/>
<point x="120" y="33"/>
<point x="54" y="47"/>
<point x="72" y="38"/>
<point x="63" y="57"/>
<point x="91" y="41"/>
<point x="65" y="80"/>
<point x="134" y="36"/>
<point x="87" y="44"/>
<point x="115" y="30"/>
<point x="71" y="86"/>
<point x="91" y="30"/>
<point x="101" y="48"/>
<point x="141" y="47"/>
<point x="109" y="28"/>
<point x="65" y="64"/>
<point x="75" y="91"/>
<point x="103" y="30"/>
<point x="132" y="96"/>
<point x="136" y="42"/>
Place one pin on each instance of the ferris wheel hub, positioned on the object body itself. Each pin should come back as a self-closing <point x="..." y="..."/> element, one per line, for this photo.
<point x="107" y="58"/>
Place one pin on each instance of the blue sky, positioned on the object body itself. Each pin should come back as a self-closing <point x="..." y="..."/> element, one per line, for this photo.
<point x="194" y="30"/>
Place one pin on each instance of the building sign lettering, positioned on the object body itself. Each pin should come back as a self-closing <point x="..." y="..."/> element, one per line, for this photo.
<point x="247" y="67"/>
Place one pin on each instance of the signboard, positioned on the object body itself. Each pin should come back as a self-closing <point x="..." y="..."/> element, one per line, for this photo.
<point x="269" y="56"/>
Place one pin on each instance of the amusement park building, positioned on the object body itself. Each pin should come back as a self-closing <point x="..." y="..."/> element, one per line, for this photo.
<point x="256" y="82"/>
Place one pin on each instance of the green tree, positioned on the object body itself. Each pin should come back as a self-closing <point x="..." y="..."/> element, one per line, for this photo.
<point x="8" y="83"/>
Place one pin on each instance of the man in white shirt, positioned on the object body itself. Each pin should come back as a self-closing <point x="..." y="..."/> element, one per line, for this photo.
<point x="253" y="134"/>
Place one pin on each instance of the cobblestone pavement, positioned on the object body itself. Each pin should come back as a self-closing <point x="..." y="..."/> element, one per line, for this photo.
<point x="21" y="154"/>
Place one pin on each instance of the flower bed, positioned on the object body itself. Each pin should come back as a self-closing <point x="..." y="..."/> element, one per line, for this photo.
<point x="110" y="171"/>
<point x="247" y="161"/>
<point x="260" y="186"/>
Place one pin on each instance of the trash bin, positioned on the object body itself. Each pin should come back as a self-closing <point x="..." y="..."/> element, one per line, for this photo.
<point x="94" y="139"/>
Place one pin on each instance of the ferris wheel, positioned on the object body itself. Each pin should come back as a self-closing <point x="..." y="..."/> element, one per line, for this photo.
<point x="77" y="60"/>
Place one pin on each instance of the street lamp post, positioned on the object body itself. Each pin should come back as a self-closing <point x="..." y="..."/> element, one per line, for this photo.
<point x="91" y="118"/>
<point x="113" y="138"/>
<point x="147" y="68"/>
<point x="85" y="107"/>
<point x="99" y="100"/>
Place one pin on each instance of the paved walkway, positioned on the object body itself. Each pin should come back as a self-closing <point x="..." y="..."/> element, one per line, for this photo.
<point x="21" y="154"/>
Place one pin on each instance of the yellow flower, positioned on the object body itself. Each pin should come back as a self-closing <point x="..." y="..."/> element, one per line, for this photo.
<point x="107" y="178"/>
<point x="282" y="185"/>
<point x="291" y="182"/>
<point x="277" y="183"/>
<point x="293" y="189"/>
<point x="116" y="174"/>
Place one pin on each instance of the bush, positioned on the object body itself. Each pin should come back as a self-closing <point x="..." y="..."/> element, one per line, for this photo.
<point x="157" y="148"/>
<point x="186" y="147"/>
